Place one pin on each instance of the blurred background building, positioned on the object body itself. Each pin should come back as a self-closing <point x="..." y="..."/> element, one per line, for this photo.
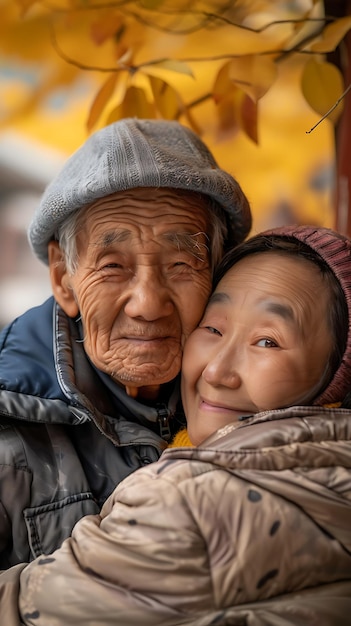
<point x="25" y="169"/>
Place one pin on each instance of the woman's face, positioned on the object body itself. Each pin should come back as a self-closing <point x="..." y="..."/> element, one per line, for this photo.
<point x="263" y="343"/>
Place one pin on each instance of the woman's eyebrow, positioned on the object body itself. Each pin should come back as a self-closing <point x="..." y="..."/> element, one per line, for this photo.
<point x="218" y="297"/>
<point x="282" y="310"/>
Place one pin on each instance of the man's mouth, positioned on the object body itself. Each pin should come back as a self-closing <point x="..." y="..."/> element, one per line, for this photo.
<point x="147" y="341"/>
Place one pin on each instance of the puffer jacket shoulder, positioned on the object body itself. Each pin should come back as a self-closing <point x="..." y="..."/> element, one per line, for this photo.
<point x="26" y="354"/>
<point x="54" y="410"/>
<point x="252" y="529"/>
<point x="35" y="504"/>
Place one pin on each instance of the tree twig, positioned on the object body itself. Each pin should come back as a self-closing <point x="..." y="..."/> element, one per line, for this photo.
<point x="330" y="110"/>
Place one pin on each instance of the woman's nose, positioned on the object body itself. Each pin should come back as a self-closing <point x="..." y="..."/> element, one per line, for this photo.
<point x="222" y="371"/>
<point x="149" y="297"/>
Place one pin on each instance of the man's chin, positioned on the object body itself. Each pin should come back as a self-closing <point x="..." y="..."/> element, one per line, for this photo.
<point x="151" y="378"/>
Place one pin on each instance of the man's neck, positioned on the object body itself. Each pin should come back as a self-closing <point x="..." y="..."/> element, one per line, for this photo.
<point x="149" y="392"/>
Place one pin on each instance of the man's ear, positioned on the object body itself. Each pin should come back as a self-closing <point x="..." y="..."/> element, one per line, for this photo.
<point x="60" y="280"/>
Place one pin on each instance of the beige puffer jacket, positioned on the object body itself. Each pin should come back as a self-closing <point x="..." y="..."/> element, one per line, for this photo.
<point x="252" y="529"/>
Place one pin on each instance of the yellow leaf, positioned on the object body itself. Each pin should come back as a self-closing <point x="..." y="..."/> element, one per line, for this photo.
<point x="134" y="104"/>
<point x="322" y="85"/>
<point x="25" y="5"/>
<point x="166" y="98"/>
<point x="332" y="35"/>
<point x="253" y="73"/>
<point x="101" y="100"/>
<point x="174" y="66"/>
<point x="151" y="4"/>
<point x="248" y="118"/>
<point x="222" y="85"/>
<point x="191" y="121"/>
<point x="126" y="57"/>
<point x="237" y="112"/>
<point x="227" y="123"/>
<point x="111" y="25"/>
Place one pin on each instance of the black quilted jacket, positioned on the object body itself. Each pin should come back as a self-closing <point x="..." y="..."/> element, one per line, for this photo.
<point x="67" y="435"/>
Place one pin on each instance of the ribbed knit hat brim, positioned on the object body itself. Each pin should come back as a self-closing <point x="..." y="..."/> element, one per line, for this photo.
<point x="335" y="250"/>
<point x="135" y="153"/>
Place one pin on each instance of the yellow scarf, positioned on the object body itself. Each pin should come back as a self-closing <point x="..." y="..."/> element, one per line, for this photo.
<point x="181" y="440"/>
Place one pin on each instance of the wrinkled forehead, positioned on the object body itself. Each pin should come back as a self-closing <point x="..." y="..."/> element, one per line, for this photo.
<point x="152" y="200"/>
<point x="159" y="212"/>
<point x="272" y="264"/>
<point x="281" y="283"/>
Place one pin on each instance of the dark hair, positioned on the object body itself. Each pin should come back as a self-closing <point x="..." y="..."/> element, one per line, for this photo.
<point x="338" y="312"/>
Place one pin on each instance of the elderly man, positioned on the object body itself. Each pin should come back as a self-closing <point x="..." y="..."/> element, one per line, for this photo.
<point x="130" y="229"/>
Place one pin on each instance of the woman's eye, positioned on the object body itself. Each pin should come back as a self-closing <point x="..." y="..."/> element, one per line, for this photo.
<point x="213" y="330"/>
<point x="266" y="343"/>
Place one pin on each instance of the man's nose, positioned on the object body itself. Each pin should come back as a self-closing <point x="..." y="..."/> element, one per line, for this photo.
<point x="149" y="296"/>
<point x="221" y="370"/>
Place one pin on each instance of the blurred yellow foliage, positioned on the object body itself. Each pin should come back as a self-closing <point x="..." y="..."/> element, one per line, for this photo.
<point x="227" y="69"/>
<point x="166" y="42"/>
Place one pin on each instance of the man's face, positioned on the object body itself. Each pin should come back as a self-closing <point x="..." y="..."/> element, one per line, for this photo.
<point x="142" y="282"/>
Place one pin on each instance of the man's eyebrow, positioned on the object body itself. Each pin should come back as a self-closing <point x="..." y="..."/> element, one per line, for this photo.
<point x="181" y="241"/>
<point x="113" y="236"/>
<point x="188" y="242"/>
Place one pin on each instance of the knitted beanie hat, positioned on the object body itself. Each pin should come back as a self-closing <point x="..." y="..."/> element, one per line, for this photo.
<point x="335" y="250"/>
<point x="138" y="153"/>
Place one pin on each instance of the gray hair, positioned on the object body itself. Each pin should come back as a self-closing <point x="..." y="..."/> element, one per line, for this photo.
<point x="66" y="234"/>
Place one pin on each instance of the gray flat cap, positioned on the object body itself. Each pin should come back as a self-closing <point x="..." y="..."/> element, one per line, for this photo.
<point x="137" y="153"/>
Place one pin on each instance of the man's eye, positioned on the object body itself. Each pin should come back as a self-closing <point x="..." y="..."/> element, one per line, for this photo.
<point x="189" y="263"/>
<point x="266" y="343"/>
<point x="112" y="266"/>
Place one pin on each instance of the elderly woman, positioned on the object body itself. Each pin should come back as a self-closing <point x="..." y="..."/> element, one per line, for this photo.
<point x="130" y="230"/>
